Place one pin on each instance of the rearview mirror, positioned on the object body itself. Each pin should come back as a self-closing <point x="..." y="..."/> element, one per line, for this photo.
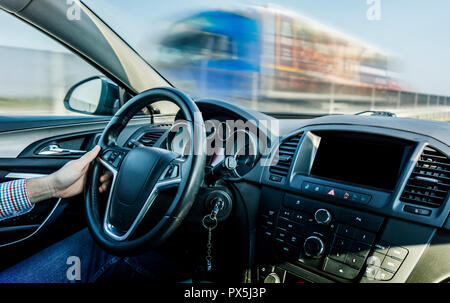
<point x="93" y="96"/>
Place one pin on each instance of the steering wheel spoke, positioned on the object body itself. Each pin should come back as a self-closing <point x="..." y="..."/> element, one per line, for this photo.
<point x="172" y="174"/>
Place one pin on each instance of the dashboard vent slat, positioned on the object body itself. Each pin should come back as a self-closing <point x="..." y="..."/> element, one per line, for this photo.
<point x="149" y="138"/>
<point x="283" y="160"/>
<point x="429" y="182"/>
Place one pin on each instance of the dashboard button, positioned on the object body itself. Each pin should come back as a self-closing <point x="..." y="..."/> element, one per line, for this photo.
<point x="286" y="224"/>
<point x="391" y="264"/>
<point x="362" y="220"/>
<point x="339" y="269"/>
<point x="285" y="213"/>
<point x="287" y="251"/>
<point x="346" y="195"/>
<point x="342" y="244"/>
<point x="268" y="232"/>
<point x="307" y="186"/>
<point x="355" y="261"/>
<point x="317" y="189"/>
<point x="294" y="239"/>
<point x="397" y="252"/>
<point x="275" y="178"/>
<point x="382" y="247"/>
<point x="360" y="198"/>
<point x="360" y="249"/>
<point x="312" y="188"/>
<point x="383" y="275"/>
<point x="365" y="199"/>
<point x="267" y="221"/>
<point x="299" y="203"/>
<point x="332" y="192"/>
<point x="338" y="255"/>
<point x="299" y="217"/>
<point x="270" y="213"/>
<point x="417" y="210"/>
<point x="371" y="272"/>
<point x="280" y="234"/>
<point x="346" y="231"/>
<point x="364" y="237"/>
<point x="375" y="259"/>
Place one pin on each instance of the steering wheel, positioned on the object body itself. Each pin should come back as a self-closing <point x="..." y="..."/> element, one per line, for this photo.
<point x="137" y="215"/>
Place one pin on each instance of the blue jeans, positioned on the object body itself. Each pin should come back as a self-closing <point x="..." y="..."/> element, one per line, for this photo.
<point x="59" y="264"/>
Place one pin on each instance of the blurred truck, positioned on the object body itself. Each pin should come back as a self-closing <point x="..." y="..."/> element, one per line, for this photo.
<point x="267" y="53"/>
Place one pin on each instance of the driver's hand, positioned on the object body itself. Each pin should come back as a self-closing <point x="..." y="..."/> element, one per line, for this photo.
<point x="68" y="181"/>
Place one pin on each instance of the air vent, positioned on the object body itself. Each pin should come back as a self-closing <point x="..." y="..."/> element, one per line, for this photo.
<point x="285" y="156"/>
<point x="150" y="138"/>
<point x="429" y="182"/>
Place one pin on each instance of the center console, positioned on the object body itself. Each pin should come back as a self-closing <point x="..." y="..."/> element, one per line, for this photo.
<point x="329" y="238"/>
<point x="322" y="216"/>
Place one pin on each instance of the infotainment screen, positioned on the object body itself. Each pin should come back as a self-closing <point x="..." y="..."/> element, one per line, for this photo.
<point x="360" y="160"/>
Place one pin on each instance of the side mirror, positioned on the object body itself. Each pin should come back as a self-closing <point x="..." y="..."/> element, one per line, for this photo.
<point x="93" y="96"/>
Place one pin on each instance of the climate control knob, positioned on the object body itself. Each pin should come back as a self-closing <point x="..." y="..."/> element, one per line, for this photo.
<point x="322" y="216"/>
<point x="313" y="247"/>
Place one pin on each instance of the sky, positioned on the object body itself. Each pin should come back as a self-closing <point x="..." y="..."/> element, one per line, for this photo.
<point x="416" y="31"/>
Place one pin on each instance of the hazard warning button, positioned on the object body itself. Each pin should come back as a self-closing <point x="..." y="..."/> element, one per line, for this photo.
<point x="333" y="192"/>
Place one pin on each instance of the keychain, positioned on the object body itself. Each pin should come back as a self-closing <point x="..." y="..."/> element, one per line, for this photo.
<point x="210" y="226"/>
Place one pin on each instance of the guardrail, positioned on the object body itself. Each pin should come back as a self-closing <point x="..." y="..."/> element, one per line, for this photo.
<point x="288" y="92"/>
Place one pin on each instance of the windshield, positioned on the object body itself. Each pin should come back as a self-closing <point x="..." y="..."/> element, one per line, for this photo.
<point x="297" y="57"/>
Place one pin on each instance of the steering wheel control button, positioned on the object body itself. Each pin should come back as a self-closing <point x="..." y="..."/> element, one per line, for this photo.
<point x="106" y="155"/>
<point x="339" y="269"/>
<point x="117" y="159"/>
<point x="322" y="216"/>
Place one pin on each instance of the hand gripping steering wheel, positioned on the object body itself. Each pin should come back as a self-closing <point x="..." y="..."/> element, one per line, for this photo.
<point x="132" y="221"/>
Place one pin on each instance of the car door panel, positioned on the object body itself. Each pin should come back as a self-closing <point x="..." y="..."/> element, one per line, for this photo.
<point x="20" y="158"/>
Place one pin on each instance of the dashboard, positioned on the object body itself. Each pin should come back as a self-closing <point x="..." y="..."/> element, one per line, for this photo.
<point x="342" y="198"/>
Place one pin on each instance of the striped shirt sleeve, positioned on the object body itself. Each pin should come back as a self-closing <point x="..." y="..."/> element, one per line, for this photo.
<point x="14" y="199"/>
